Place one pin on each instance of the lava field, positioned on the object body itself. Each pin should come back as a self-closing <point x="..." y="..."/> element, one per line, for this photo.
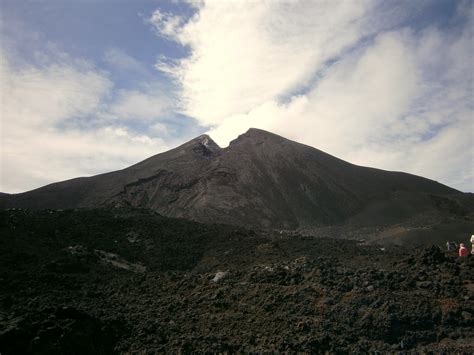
<point x="131" y="281"/>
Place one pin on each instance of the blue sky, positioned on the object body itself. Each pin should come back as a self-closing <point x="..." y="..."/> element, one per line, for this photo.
<point x="94" y="86"/>
<point x="85" y="28"/>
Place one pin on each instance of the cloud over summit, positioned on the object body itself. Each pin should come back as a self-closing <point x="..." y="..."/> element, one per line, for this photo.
<point x="387" y="84"/>
<point x="244" y="53"/>
<point x="359" y="79"/>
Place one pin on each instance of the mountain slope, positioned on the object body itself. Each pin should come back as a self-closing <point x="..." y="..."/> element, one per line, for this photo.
<point x="260" y="180"/>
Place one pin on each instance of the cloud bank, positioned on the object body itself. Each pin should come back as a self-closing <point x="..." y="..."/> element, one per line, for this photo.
<point x="383" y="84"/>
<point x="353" y="78"/>
<point x="59" y="121"/>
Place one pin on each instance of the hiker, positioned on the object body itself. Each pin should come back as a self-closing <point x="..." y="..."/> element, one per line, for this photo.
<point x="462" y="250"/>
<point x="448" y="245"/>
<point x="451" y="246"/>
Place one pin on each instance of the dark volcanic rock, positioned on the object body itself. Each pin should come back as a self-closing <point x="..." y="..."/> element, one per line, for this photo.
<point x="281" y="292"/>
<point x="63" y="330"/>
<point x="260" y="180"/>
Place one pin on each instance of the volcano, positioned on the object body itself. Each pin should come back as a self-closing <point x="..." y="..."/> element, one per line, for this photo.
<point x="261" y="180"/>
<point x="299" y="252"/>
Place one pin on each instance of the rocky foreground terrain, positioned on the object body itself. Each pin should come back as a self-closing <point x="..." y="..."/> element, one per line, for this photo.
<point x="126" y="281"/>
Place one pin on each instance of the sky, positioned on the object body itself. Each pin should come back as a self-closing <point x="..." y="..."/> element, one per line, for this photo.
<point x="91" y="86"/>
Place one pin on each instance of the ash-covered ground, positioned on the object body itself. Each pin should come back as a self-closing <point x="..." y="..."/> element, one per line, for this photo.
<point x="125" y="281"/>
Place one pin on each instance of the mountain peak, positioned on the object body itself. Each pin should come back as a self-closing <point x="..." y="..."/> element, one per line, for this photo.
<point x="255" y="135"/>
<point x="257" y="132"/>
<point x="207" y="141"/>
<point x="205" y="145"/>
<point x="263" y="180"/>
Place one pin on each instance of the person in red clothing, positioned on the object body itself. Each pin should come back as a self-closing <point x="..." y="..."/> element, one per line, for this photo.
<point x="462" y="250"/>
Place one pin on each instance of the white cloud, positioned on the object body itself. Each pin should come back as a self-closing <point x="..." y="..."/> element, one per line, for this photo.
<point x="121" y="60"/>
<point x="51" y="156"/>
<point x="328" y="75"/>
<point x="244" y="53"/>
<point x="160" y="129"/>
<point x="325" y="73"/>
<point x="38" y="96"/>
<point x="37" y="102"/>
<point x="166" y="24"/>
<point x="147" y="105"/>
